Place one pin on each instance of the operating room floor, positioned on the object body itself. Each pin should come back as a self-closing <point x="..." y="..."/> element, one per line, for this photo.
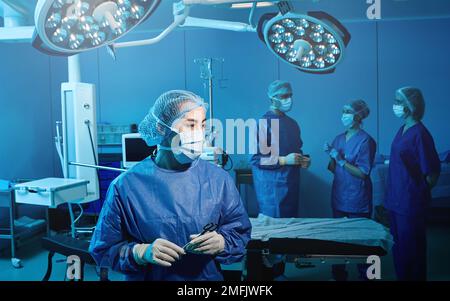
<point x="34" y="259"/>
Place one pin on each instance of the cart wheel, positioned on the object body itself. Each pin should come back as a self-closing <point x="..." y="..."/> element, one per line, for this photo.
<point x="16" y="263"/>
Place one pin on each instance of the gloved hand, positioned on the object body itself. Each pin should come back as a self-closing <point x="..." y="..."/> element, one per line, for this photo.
<point x="334" y="153"/>
<point x="161" y="252"/>
<point x="305" y="162"/>
<point x="327" y="148"/>
<point x="291" y="159"/>
<point x="210" y="243"/>
<point x="337" y="156"/>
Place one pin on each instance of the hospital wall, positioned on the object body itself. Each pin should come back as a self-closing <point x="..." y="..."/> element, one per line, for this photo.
<point x="380" y="58"/>
<point x="26" y="152"/>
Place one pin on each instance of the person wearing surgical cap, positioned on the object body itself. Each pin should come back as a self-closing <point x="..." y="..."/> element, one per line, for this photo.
<point x="414" y="168"/>
<point x="352" y="155"/>
<point x="276" y="174"/>
<point x="172" y="216"/>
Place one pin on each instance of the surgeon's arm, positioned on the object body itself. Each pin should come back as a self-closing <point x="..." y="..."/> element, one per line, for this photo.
<point x="110" y="247"/>
<point x="264" y="157"/>
<point x="364" y="161"/>
<point x="355" y="171"/>
<point x="235" y="225"/>
<point x="430" y="164"/>
<point x="352" y="169"/>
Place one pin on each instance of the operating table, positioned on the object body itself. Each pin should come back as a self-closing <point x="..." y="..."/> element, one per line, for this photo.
<point x="314" y="238"/>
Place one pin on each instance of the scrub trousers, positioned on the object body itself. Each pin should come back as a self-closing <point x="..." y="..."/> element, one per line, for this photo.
<point x="410" y="246"/>
<point x="339" y="271"/>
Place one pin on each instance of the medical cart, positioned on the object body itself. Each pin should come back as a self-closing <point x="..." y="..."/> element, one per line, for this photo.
<point x="17" y="230"/>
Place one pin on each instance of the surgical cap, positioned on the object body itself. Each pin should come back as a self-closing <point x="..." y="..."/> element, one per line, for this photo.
<point x="167" y="109"/>
<point x="360" y="108"/>
<point x="278" y="88"/>
<point x="412" y="98"/>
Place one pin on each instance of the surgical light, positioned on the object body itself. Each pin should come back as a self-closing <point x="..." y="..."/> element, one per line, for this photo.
<point x="53" y="21"/>
<point x="312" y="43"/>
<point x="67" y="27"/>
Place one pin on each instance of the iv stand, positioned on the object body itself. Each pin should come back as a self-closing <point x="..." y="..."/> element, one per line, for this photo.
<point x="207" y="74"/>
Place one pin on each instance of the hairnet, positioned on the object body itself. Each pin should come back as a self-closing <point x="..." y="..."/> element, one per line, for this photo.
<point x="360" y="108"/>
<point x="413" y="99"/>
<point x="167" y="109"/>
<point x="278" y="88"/>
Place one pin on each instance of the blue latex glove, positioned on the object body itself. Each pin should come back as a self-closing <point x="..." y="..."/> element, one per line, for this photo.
<point x="161" y="252"/>
<point x="341" y="162"/>
<point x="336" y="156"/>
<point x="327" y="148"/>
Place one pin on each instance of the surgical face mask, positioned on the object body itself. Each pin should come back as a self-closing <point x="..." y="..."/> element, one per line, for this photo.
<point x="284" y="105"/>
<point x="399" y="111"/>
<point x="188" y="147"/>
<point x="192" y="143"/>
<point x="347" y="120"/>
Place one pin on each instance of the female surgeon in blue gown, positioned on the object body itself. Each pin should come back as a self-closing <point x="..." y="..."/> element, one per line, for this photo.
<point x="352" y="155"/>
<point x="414" y="169"/>
<point x="148" y="228"/>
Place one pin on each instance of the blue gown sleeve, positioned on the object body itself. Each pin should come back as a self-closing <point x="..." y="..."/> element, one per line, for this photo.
<point x="428" y="157"/>
<point x="300" y="140"/>
<point x="366" y="156"/>
<point x="110" y="246"/>
<point x="235" y="226"/>
<point x="335" y="143"/>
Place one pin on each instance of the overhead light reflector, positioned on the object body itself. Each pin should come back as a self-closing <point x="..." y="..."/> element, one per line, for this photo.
<point x="313" y="43"/>
<point x="67" y="27"/>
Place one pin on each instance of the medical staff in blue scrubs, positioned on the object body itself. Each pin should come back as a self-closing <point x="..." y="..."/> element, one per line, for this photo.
<point x="352" y="155"/>
<point x="414" y="169"/>
<point x="153" y="214"/>
<point x="276" y="165"/>
<point x="276" y="175"/>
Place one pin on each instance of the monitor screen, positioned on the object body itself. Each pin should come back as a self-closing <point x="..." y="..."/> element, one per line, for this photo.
<point x="135" y="150"/>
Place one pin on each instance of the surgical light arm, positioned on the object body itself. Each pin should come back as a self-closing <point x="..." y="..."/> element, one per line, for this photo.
<point x="182" y="19"/>
<point x="218" y="24"/>
<point x="179" y="18"/>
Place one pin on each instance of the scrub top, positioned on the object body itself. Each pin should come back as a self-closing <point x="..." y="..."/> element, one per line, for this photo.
<point x="413" y="157"/>
<point x="276" y="186"/>
<point x="148" y="202"/>
<point x="349" y="193"/>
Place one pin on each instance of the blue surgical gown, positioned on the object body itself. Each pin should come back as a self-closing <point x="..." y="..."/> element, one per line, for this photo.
<point x="277" y="187"/>
<point x="149" y="202"/>
<point x="413" y="157"/>
<point x="349" y="193"/>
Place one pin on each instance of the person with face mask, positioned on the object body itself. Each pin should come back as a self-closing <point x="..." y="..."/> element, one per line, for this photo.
<point x="166" y="202"/>
<point x="352" y="154"/>
<point x="276" y="176"/>
<point x="414" y="169"/>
